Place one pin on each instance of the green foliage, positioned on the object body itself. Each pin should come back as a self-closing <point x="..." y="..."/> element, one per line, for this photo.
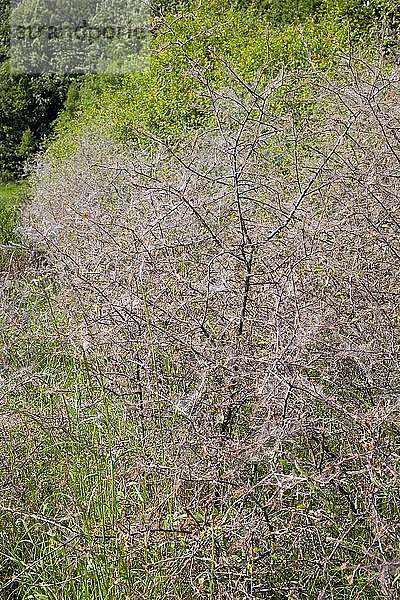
<point x="281" y="12"/>
<point x="72" y="98"/>
<point x="4" y="31"/>
<point x="27" y="102"/>
<point x="27" y="145"/>
<point x="215" y="44"/>
<point x="364" y="17"/>
<point x="170" y="97"/>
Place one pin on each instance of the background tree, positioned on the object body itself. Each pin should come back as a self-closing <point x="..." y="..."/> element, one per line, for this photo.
<point x="26" y="102"/>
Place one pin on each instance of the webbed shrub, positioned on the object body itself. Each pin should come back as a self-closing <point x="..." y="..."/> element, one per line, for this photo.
<point x="239" y="294"/>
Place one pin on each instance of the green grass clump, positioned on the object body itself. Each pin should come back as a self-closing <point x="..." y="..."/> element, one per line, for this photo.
<point x="12" y="195"/>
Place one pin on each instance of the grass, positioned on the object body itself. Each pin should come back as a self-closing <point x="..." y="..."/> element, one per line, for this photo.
<point x="12" y="195"/>
<point x="74" y="509"/>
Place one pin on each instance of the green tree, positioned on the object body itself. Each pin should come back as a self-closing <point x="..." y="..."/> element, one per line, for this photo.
<point x="27" y="103"/>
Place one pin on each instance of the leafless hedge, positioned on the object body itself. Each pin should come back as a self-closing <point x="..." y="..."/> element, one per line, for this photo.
<point x="240" y="295"/>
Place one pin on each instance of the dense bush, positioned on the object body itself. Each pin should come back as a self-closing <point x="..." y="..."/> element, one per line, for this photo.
<point x="233" y="433"/>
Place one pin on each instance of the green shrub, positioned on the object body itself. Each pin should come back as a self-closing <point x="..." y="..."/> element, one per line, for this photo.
<point x="201" y="48"/>
<point x="28" y="144"/>
<point x="194" y="49"/>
